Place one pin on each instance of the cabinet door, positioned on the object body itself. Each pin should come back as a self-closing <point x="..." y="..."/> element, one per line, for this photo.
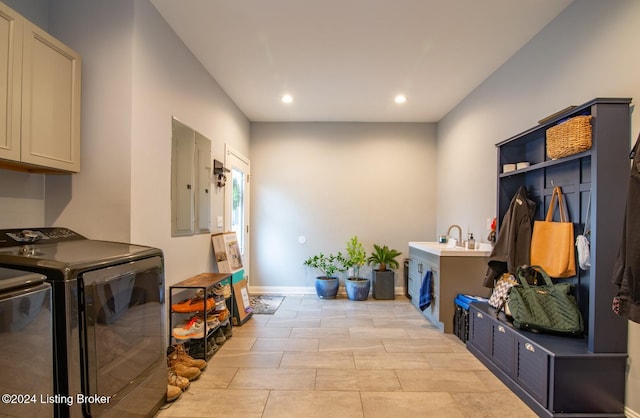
<point x="182" y="180"/>
<point x="10" y="82"/>
<point x="532" y="371"/>
<point x="414" y="280"/>
<point x="50" y="101"/>
<point x="203" y="183"/>
<point x="481" y="331"/>
<point x="504" y="347"/>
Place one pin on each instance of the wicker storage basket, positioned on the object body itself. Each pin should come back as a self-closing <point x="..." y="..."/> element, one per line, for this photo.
<point x="569" y="137"/>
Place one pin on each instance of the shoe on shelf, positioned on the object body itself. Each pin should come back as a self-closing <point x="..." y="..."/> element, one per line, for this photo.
<point x="228" y="330"/>
<point x="219" y="337"/>
<point x="173" y="393"/>
<point x="222" y="314"/>
<point x="212" y="322"/>
<point x="195" y="304"/>
<point x="181" y="355"/>
<point x="175" y="380"/>
<point x="194" y="328"/>
<point x="222" y="290"/>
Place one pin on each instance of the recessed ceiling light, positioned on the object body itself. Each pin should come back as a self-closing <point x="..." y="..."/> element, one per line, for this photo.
<point x="287" y="98"/>
<point x="400" y="98"/>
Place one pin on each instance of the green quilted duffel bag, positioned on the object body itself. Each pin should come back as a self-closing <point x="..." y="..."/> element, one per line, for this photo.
<point x="547" y="308"/>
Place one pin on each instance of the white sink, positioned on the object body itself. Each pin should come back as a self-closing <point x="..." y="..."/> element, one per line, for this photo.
<point x="483" y="249"/>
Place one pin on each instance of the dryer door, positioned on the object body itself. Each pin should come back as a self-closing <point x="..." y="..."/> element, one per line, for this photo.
<point x="26" y="344"/>
<point x="123" y="330"/>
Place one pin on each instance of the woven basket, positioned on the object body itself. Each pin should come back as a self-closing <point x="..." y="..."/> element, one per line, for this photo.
<point x="569" y="137"/>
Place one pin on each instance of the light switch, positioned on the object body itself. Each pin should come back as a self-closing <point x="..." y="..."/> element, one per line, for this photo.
<point x="220" y="222"/>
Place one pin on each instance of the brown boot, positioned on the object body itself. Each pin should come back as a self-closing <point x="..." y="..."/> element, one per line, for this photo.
<point x="191" y="373"/>
<point x="175" y="380"/>
<point x="182" y="357"/>
<point x="173" y="393"/>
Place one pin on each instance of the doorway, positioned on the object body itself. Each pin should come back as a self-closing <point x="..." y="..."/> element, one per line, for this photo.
<point x="236" y="201"/>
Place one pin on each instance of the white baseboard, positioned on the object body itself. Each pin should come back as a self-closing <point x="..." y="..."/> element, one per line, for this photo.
<point x="298" y="290"/>
<point x="630" y="413"/>
<point x="282" y="290"/>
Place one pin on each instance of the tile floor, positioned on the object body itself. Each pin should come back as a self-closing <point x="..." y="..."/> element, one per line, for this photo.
<point x="341" y="358"/>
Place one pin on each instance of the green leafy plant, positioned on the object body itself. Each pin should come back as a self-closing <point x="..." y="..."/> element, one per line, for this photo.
<point x="357" y="256"/>
<point x="384" y="257"/>
<point x="329" y="265"/>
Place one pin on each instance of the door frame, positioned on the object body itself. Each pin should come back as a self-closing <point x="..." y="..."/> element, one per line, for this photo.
<point x="233" y="158"/>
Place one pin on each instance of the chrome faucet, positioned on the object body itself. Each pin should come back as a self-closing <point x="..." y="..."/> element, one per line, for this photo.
<point x="460" y="243"/>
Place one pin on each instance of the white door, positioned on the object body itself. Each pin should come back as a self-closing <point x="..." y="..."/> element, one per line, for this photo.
<point x="236" y="196"/>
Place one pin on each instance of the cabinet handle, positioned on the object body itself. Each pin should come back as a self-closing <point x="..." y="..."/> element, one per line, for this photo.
<point x="501" y="329"/>
<point x="419" y="267"/>
<point x="479" y="315"/>
<point x="530" y="347"/>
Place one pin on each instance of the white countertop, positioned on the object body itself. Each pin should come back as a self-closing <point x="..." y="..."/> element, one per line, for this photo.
<point x="443" y="250"/>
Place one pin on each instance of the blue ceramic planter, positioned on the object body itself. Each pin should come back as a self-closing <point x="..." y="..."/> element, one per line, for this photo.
<point x="327" y="287"/>
<point x="357" y="289"/>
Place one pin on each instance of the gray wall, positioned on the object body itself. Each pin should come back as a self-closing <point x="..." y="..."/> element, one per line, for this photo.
<point x="330" y="181"/>
<point x="136" y="75"/>
<point x="590" y="50"/>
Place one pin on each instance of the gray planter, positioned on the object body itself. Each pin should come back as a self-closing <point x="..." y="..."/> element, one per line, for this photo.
<point x="383" y="284"/>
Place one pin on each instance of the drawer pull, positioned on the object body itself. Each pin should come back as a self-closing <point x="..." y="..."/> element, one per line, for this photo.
<point x="530" y="347"/>
<point x="479" y="315"/>
<point x="501" y="329"/>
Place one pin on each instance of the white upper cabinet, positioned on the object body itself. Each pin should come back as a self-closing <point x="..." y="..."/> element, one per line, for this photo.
<point x="42" y="86"/>
<point x="11" y="27"/>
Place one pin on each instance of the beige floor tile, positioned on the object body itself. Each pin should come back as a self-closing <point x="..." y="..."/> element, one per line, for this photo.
<point x="373" y="332"/>
<point x="322" y="314"/>
<point x="271" y="378"/>
<point x="410" y="405"/>
<point x="385" y="322"/>
<point x="418" y="345"/>
<point x="347" y="322"/>
<point x="324" y="360"/>
<point x="351" y="344"/>
<point x="341" y="358"/>
<point x="292" y="323"/>
<point x="261" y="332"/>
<point x="217" y="403"/>
<point x="216" y="378"/>
<point x="440" y="381"/>
<point x="286" y="344"/>
<point x="361" y="380"/>
<point x="239" y="343"/>
<point x="320" y="333"/>
<point x="391" y="361"/>
<point x="231" y="358"/>
<point x="313" y="404"/>
<point x="454" y="361"/>
<point x="494" y="404"/>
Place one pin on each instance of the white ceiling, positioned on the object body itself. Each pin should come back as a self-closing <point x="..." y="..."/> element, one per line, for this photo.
<point x="345" y="60"/>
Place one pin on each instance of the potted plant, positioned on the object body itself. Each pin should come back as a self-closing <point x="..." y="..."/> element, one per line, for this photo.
<point x="383" y="279"/>
<point x="357" y="287"/>
<point x="327" y="284"/>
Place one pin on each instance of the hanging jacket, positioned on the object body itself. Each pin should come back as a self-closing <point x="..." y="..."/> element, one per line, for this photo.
<point x="626" y="268"/>
<point x="513" y="245"/>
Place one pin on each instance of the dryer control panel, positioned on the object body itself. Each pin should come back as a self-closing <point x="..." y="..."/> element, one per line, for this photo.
<point x="17" y="237"/>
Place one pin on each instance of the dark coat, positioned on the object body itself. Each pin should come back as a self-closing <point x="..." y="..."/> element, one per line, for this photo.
<point x="513" y="245"/>
<point x="626" y="269"/>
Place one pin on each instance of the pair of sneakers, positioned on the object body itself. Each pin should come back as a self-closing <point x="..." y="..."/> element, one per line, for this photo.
<point x="195" y="327"/>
